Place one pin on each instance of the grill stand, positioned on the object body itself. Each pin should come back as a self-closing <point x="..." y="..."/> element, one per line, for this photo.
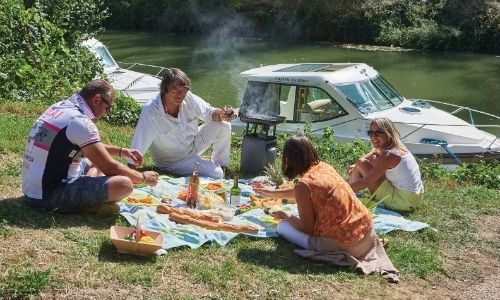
<point x="258" y="147"/>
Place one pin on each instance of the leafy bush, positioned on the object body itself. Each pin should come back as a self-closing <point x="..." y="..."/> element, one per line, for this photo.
<point x="479" y="173"/>
<point x="427" y="35"/>
<point x="440" y="24"/>
<point x="78" y="18"/>
<point x="485" y="174"/>
<point x="125" y="111"/>
<point x="434" y="171"/>
<point x="340" y="154"/>
<point x="37" y="59"/>
<point x="437" y="24"/>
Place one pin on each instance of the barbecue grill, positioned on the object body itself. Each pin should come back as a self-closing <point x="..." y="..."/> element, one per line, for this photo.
<point x="259" y="148"/>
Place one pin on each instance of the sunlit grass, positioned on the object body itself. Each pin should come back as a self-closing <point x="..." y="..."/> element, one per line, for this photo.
<point x="71" y="255"/>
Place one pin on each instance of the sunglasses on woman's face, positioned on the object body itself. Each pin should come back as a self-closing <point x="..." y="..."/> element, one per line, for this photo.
<point x="377" y="133"/>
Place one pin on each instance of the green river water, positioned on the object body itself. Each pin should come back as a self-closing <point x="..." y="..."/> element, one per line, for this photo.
<point x="214" y="62"/>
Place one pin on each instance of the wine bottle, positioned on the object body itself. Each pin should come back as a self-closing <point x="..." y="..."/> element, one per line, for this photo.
<point x="192" y="189"/>
<point x="235" y="193"/>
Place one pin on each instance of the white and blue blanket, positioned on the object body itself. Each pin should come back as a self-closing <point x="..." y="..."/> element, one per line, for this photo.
<point x="176" y="235"/>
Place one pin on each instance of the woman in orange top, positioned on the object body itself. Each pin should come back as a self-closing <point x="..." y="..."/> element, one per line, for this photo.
<point x="330" y="217"/>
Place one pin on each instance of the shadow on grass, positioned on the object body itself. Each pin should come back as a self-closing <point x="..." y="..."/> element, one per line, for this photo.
<point x="108" y="253"/>
<point x="17" y="213"/>
<point x="283" y="258"/>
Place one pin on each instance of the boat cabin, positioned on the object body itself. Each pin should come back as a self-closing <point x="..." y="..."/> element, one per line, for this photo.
<point x="346" y="97"/>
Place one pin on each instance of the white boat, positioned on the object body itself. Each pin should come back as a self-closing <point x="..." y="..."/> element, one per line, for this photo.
<point x="347" y="96"/>
<point x="141" y="87"/>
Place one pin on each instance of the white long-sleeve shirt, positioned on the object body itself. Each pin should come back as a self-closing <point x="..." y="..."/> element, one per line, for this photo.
<point x="168" y="138"/>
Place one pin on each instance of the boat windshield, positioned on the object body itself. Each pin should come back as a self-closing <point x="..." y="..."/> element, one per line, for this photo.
<point x="106" y="57"/>
<point x="372" y="95"/>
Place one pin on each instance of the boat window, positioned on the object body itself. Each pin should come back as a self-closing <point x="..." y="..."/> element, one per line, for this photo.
<point x="105" y="57"/>
<point x="371" y="95"/>
<point x="388" y="90"/>
<point x="315" y="105"/>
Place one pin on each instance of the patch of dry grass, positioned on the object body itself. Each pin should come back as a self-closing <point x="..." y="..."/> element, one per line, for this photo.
<point x="70" y="256"/>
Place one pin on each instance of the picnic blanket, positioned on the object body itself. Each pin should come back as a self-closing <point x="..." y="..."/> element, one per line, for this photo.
<point x="176" y="235"/>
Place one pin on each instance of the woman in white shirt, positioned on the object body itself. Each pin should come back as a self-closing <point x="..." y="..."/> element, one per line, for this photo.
<point x="169" y="128"/>
<point x="389" y="171"/>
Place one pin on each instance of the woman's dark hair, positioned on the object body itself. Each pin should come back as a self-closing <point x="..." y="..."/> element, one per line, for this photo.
<point x="299" y="155"/>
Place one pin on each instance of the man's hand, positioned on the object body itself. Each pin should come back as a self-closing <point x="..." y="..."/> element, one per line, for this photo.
<point x="225" y="114"/>
<point x="150" y="177"/>
<point x="134" y="155"/>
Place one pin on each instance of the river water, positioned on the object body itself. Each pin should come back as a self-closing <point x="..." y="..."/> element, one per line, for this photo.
<point x="214" y="62"/>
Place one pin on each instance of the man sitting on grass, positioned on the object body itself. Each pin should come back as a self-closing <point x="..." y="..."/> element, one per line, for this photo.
<point x="168" y="127"/>
<point x="66" y="167"/>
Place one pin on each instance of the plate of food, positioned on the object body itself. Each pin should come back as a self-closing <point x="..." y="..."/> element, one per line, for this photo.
<point x="140" y="198"/>
<point x="216" y="188"/>
<point x="264" y="202"/>
<point x="212" y="185"/>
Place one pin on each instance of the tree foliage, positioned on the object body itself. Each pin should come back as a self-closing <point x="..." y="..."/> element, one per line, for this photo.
<point x="41" y="57"/>
<point x="425" y="24"/>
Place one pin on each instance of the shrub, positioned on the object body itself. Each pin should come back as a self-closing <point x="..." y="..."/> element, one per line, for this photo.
<point x="125" y="111"/>
<point x="427" y="35"/>
<point x="434" y="171"/>
<point x="36" y="61"/>
<point x="78" y="18"/>
<point x="340" y="154"/>
<point x="487" y="175"/>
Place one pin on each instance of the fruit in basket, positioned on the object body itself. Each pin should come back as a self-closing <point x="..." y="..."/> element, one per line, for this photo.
<point x="147" y="239"/>
<point x="131" y="236"/>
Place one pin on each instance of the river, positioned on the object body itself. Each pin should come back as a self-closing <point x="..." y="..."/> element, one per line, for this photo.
<point x="214" y="62"/>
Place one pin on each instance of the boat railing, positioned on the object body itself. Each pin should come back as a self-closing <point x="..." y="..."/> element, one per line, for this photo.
<point x="136" y="66"/>
<point x="457" y="109"/>
<point x="493" y="128"/>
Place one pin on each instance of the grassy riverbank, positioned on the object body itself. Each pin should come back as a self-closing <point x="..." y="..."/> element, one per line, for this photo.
<point x="70" y="256"/>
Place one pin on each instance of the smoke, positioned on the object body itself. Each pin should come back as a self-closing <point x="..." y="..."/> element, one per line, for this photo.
<point x="261" y="98"/>
<point x="226" y="36"/>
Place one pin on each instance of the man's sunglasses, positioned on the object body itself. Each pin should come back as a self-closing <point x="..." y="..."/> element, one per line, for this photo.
<point x="107" y="103"/>
<point x="377" y="133"/>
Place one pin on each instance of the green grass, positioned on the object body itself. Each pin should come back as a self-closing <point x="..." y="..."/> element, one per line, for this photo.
<point x="54" y="256"/>
<point x="25" y="282"/>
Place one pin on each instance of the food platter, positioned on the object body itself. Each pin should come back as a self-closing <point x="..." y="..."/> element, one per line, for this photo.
<point x="264" y="202"/>
<point x="140" y="198"/>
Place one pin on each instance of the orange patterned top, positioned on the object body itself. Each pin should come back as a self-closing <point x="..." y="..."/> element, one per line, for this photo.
<point x="338" y="213"/>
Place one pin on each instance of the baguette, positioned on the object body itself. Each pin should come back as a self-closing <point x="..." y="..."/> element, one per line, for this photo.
<point x="184" y="219"/>
<point x="167" y="209"/>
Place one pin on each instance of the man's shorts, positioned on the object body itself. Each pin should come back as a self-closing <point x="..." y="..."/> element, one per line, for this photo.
<point x="74" y="196"/>
<point x="397" y="199"/>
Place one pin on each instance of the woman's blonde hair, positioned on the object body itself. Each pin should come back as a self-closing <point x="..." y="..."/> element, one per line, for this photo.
<point x="387" y="126"/>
